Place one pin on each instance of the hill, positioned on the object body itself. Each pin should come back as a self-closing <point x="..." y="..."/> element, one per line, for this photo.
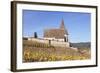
<point x="38" y="52"/>
<point x="81" y="45"/>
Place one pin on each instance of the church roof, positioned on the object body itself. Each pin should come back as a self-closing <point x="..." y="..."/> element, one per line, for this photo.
<point x="62" y="25"/>
<point x="57" y="33"/>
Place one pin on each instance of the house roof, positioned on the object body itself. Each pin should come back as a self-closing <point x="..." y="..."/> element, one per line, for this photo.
<point x="56" y="33"/>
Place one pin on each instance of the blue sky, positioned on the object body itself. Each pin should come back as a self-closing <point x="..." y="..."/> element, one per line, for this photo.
<point x="77" y="24"/>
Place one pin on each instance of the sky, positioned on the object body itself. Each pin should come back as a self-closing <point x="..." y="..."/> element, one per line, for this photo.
<point x="77" y="24"/>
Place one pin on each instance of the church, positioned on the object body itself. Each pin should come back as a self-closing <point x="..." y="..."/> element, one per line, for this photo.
<point x="57" y="37"/>
<point x="58" y="34"/>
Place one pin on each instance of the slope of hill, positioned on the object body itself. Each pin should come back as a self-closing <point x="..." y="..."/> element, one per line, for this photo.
<point x="38" y="52"/>
<point x="81" y="45"/>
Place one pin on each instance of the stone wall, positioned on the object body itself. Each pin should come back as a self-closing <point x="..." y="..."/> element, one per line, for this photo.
<point x="60" y="44"/>
<point x="51" y="42"/>
<point x="39" y="40"/>
<point x="54" y="39"/>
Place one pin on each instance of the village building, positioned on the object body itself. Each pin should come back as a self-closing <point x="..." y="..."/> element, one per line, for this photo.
<point x="57" y="37"/>
<point x="58" y="34"/>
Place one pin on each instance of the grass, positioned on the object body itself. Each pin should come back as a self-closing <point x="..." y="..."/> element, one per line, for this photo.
<point x="40" y="52"/>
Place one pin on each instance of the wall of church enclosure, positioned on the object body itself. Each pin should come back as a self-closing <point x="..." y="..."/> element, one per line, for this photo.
<point x="39" y="40"/>
<point x="51" y="42"/>
<point x="59" y="44"/>
<point x="54" y="39"/>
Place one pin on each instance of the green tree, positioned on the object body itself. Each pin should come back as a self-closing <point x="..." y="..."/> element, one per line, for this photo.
<point x="35" y="35"/>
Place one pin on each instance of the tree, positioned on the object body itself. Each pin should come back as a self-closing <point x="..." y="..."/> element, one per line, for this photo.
<point x="35" y="35"/>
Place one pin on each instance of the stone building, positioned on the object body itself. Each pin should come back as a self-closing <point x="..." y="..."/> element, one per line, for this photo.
<point x="58" y="34"/>
<point x="56" y="37"/>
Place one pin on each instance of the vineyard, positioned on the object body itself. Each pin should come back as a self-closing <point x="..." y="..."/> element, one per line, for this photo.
<point x="38" y="52"/>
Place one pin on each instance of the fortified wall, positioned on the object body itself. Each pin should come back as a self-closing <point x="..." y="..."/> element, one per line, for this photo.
<point x="51" y="42"/>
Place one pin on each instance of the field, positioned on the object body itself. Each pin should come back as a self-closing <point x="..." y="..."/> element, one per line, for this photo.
<point x="39" y="52"/>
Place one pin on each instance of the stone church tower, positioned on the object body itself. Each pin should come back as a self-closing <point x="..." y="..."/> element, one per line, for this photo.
<point x="62" y="27"/>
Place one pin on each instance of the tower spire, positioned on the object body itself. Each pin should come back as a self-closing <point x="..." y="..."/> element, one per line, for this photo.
<point x="62" y="25"/>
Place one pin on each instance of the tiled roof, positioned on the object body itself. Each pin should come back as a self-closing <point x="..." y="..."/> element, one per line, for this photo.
<point x="56" y="33"/>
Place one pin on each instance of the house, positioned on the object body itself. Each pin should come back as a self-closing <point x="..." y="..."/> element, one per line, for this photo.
<point x="56" y="37"/>
<point x="58" y="34"/>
